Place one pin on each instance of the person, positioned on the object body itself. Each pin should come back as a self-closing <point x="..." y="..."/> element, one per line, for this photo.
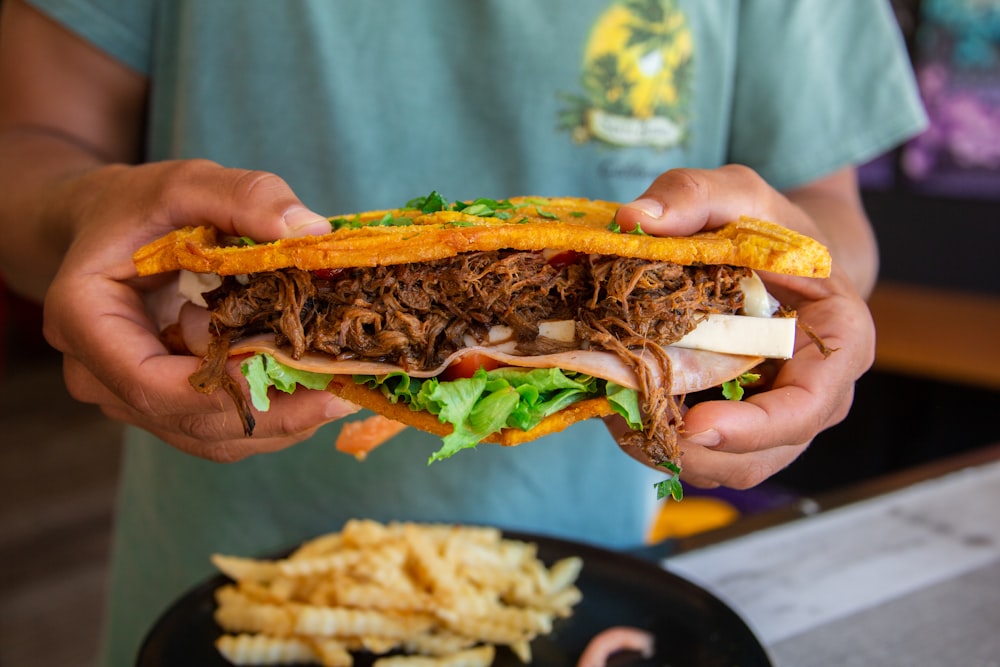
<point x="121" y="120"/>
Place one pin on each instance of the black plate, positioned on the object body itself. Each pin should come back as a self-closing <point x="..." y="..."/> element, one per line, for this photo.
<point x="693" y="628"/>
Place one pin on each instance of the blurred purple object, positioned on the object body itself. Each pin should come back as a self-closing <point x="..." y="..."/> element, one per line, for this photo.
<point x="959" y="153"/>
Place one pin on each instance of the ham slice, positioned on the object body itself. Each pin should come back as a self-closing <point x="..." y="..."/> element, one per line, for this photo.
<point x="614" y="640"/>
<point x="691" y="370"/>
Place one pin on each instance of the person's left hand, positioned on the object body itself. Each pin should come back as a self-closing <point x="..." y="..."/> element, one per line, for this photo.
<point x="105" y="322"/>
<point x="741" y="443"/>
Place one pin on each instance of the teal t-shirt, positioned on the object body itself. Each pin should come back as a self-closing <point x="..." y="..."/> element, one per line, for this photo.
<point x="364" y="105"/>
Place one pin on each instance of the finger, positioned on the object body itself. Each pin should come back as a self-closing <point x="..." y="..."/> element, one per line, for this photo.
<point x="684" y="201"/>
<point x="179" y="413"/>
<point x="618" y="428"/>
<point x="704" y="467"/>
<point x="218" y="435"/>
<point x="707" y="467"/>
<point x="810" y="393"/>
<point x="129" y="364"/>
<point x="240" y="202"/>
<point x="219" y="450"/>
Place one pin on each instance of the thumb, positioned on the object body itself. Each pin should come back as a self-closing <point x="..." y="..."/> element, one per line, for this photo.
<point x="681" y="202"/>
<point x="242" y="202"/>
<point x="300" y="221"/>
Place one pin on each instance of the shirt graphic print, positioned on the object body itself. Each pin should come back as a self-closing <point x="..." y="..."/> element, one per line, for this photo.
<point x="636" y="78"/>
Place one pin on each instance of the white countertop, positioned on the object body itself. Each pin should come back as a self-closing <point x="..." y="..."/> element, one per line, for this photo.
<point x="911" y="577"/>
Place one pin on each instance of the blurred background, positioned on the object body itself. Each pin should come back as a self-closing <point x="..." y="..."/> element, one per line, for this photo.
<point x="933" y="392"/>
<point x="935" y="204"/>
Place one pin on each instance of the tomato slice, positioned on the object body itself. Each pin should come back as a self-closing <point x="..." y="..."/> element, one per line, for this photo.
<point x="327" y="274"/>
<point x="467" y="365"/>
<point x="563" y="258"/>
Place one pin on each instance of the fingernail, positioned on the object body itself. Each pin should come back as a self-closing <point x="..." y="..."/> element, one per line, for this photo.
<point x="303" y="222"/>
<point x="648" y="207"/>
<point x="338" y="408"/>
<point x="708" y="438"/>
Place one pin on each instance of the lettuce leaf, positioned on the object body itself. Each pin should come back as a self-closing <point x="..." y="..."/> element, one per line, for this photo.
<point x="263" y="371"/>
<point x="626" y="403"/>
<point x="489" y="401"/>
<point x="476" y="407"/>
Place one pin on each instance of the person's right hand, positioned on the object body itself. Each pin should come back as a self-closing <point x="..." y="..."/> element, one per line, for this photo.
<point x="97" y="312"/>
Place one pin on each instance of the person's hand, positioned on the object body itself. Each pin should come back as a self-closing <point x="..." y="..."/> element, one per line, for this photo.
<point x="99" y="315"/>
<point x="741" y="443"/>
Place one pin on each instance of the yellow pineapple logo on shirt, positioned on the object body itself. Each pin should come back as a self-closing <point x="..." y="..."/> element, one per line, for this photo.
<point x="636" y="77"/>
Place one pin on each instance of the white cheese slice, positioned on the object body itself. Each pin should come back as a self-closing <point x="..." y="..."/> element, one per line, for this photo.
<point x="757" y="302"/>
<point x="772" y="337"/>
<point x="191" y="285"/>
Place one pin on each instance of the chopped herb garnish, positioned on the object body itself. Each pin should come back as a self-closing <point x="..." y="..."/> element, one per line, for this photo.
<point x="671" y="486"/>
<point x="616" y="228"/>
<point x="502" y="209"/>
<point x="246" y="240"/>
<point x="482" y="210"/>
<point x="429" y="204"/>
<point x="346" y="223"/>
<point x="577" y="214"/>
<point x="387" y="220"/>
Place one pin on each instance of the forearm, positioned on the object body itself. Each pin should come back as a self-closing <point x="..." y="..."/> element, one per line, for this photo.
<point x="66" y="108"/>
<point x="45" y="181"/>
<point x="835" y="206"/>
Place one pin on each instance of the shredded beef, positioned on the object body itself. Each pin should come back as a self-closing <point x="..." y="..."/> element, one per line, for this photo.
<point x="415" y="315"/>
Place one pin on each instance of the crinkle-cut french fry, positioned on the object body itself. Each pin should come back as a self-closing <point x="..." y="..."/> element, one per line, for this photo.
<point x="237" y="611"/>
<point x="318" y="546"/>
<point x="522" y="650"/>
<point x="229" y="594"/>
<point x="563" y="573"/>
<point x="322" y="593"/>
<point x="531" y="621"/>
<point x="345" y="622"/>
<point x="422" y="589"/>
<point x="385" y="564"/>
<point x="330" y="652"/>
<point x="482" y="535"/>
<point x="304" y="567"/>
<point x="283" y="588"/>
<point x="439" y="574"/>
<point x="438" y="643"/>
<point x="473" y="555"/>
<point x="365" y="532"/>
<point x="255" y="617"/>
<point x="479" y="656"/>
<point x="503" y="626"/>
<point x="516" y="553"/>
<point x="561" y="603"/>
<point x="521" y="590"/>
<point x="243" y="569"/>
<point x="373" y="644"/>
<point x="258" y="592"/>
<point x="257" y="649"/>
<point x="433" y="571"/>
<point x="383" y="598"/>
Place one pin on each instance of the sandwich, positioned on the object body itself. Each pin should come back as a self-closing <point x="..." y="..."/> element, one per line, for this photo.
<point x="489" y="321"/>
